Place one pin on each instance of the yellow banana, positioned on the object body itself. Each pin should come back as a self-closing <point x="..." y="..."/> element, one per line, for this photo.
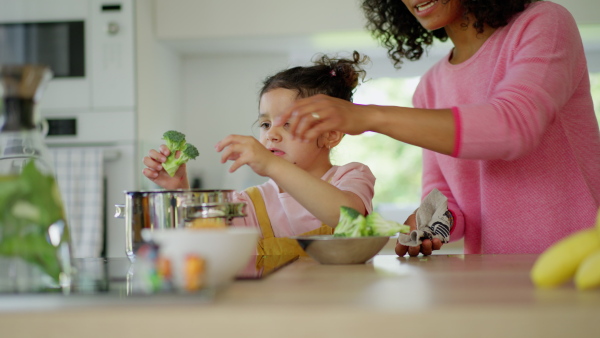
<point x="588" y="273"/>
<point x="560" y="261"/>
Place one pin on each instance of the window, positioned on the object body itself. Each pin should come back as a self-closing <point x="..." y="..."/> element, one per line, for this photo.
<point x="595" y="86"/>
<point x="396" y="165"/>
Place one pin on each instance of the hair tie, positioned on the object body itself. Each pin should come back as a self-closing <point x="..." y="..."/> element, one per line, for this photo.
<point x="332" y="72"/>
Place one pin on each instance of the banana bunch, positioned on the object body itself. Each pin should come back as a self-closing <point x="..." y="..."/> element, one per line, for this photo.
<point x="576" y="256"/>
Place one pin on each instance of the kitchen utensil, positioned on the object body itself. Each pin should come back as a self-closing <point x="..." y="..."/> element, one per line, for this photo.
<point x="327" y="249"/>
<point x="226" y="251"/>
<point x="169" y="209"/>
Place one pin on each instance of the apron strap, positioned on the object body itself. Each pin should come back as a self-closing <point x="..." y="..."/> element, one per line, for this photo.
<point x="269" y="244"/>
<point x="261" y="212"/>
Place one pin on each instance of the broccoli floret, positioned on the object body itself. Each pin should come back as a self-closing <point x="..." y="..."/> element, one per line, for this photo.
<point x="354" y="224"/>
<point x="378" y="226"/>
<point x="190" y="151"/>
<point x="351" y="223"/>
<point x="175" y="141"/>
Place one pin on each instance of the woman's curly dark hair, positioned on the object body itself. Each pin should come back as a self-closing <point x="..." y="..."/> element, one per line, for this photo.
<point x="399" y="31"/>
<point x="335" y="77"/>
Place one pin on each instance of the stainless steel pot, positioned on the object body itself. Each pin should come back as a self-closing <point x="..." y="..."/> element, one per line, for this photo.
<point x="164" y="209"/>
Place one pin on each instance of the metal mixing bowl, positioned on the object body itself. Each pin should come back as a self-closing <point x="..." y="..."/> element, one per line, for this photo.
<point x="327" y="249"/>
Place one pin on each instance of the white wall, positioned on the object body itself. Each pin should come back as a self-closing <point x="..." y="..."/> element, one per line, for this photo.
<point x="158" y="87"/>
<point x="584" y="11"/>
<point x="194" y="19"/>
<point x="220" y="97"/>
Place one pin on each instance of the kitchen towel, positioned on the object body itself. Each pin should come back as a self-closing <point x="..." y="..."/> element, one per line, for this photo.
<point x="433" y="221"/>
<point x="79" y="172"/>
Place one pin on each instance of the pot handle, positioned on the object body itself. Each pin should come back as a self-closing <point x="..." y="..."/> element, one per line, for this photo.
<point x="119" y="210"/>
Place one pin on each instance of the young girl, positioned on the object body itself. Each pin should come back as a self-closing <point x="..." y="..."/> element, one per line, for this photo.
<point x="305" y="191"/>
<point x="506" y="119"/>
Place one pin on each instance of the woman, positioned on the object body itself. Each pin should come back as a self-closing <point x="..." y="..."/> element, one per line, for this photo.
<point x="506" y="119"/>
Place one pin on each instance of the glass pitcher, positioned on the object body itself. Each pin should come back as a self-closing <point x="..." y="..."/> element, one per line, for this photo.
<point x="35" y="250"/>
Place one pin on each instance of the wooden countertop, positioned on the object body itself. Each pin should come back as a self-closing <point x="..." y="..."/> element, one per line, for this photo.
<point x="440" y="295"/>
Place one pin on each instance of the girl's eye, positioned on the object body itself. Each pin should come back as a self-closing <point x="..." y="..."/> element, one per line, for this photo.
<point x="286" y="126"/>
<point x="265" y="125"/>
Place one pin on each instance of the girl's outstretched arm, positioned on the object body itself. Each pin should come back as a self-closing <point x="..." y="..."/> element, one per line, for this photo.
<point x="320" y="198"/>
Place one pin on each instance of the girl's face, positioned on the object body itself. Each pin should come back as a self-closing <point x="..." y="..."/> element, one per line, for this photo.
<point x="434" y="14"/>
<point x="306" y="155"/>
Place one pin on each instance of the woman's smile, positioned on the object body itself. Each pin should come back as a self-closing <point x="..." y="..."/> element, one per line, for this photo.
<point x="425" y="7"/>
<point x="434" y="14"/>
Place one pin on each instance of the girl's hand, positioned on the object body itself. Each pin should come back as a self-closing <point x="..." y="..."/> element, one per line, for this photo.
<point x="312" y="116"/>
<point x="245" y="150"/>
<point x="155" y="172"/>
<point x="427" y="246"/>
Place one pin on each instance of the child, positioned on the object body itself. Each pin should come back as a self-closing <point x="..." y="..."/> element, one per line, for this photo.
<point x="305" y="191"/>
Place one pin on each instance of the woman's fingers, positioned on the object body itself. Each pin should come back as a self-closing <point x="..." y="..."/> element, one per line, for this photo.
<point x="426" y="247"/>
<point x="400" y="249"/>
<point x="317" y="128"/>
<point x="303" y="116"/>
<point x="437" y="243"/>
<point x="306" y="124"/>
<point x="414" y="251"/>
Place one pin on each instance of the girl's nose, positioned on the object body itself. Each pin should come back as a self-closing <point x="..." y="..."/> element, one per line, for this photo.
<point x="273" y="135"/>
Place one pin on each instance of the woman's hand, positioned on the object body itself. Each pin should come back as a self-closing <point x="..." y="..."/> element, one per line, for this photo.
<point x="245" y="150"/>
<point x="427" y="246"/>
<point x="312" y="116"/>
<point x="155" y="172"/>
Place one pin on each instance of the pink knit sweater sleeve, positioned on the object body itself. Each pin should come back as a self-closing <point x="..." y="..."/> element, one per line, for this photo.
<point x="535" y="75"/>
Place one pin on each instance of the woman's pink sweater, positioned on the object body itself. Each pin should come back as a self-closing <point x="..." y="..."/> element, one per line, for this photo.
<point x="525" y="171"/>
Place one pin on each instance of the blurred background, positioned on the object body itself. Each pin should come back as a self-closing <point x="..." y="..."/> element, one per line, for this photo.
<point x="197" y="66"/>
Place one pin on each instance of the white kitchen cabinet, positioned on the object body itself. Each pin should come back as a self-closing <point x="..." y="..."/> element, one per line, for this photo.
<point x="206" y="19"/>
<point x="198" y="19"/>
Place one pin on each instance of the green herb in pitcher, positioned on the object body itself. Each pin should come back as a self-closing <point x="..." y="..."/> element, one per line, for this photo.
<point x="32" y="222"/>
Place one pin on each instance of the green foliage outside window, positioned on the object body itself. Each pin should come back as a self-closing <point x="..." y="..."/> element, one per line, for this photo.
<point x="397" y="166"/>
<point x="595" y="86"/>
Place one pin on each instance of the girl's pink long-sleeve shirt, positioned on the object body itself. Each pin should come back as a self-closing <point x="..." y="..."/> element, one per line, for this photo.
<point x="525" y="171"/>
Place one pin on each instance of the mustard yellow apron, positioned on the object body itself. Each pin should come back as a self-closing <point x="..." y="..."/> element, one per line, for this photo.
<point x="271" y="245"/>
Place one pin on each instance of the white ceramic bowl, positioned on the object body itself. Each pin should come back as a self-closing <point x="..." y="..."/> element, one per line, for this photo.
<point x="226" y="251"/>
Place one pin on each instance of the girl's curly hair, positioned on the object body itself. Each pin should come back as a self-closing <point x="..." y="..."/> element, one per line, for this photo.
<point x="398" y="30"/>
<point x="335" y="77"/>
